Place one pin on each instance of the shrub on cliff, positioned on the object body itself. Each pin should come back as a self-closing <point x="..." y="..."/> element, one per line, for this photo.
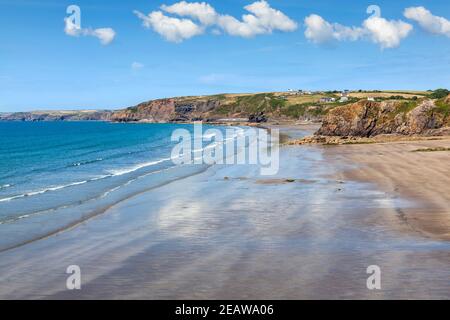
<point x="439" y="94"/>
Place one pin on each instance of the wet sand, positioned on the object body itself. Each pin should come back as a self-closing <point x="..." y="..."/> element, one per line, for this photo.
<point x="310" y="232"/>
<point x="400" y="169"/>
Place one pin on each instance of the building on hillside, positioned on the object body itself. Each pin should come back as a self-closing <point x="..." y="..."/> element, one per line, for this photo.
<point x="343" y="99"/>
<point x="327" y="100"/>
<point x="345" y="93"/>
<point x="293" y="92"/>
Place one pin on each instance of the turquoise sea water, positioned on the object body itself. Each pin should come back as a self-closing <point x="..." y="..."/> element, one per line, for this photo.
<point x="55" y="174"/>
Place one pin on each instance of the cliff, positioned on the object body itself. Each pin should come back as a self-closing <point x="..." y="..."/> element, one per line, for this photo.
<point x="167" y="110"/>
<point x="82" y="115"/>
<point x="362" y="113"/>
<point x="369" y="118"/>
<point x="204" y="108"/>
<point x="257" y="107"/>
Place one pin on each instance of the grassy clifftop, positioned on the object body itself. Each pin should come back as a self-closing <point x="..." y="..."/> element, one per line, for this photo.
<point x="275" y="105"/>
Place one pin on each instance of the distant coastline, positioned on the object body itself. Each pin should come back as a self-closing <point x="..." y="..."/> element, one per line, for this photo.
<point x="342" y="113"/>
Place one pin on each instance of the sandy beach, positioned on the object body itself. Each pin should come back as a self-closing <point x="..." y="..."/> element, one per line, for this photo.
<point x="310" y="232"/>
<point x="415" y="170"/>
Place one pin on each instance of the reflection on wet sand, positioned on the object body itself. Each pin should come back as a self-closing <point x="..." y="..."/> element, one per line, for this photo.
<point x="229" y="233"/>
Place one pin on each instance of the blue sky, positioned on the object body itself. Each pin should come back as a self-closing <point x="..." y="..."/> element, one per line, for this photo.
<point x="42" y="67"/>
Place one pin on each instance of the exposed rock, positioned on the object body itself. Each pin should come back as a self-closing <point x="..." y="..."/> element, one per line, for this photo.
<point x="368" y="118"/>
<point x="153" y="111"/>
<point x="257" y="118"/>
<point x="166" y="110"/>
<point x="444" y="131"/>
<point x="419" y="120"/>
<point x="353" y="140"/>
<point x="447" y="100"/>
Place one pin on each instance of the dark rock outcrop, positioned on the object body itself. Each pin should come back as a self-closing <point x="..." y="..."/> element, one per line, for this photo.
<point x="257" y="117"/>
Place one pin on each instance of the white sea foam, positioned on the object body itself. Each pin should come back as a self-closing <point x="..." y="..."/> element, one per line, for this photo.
<point x="77" y="164"/>
<point x="120" y="172"/>
<point x="117" y="172"/>
<point x="34" y="193"/>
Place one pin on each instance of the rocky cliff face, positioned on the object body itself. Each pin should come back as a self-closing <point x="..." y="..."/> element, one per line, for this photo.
<point x="447" y="100"/>
<point x="153" y="111"/>
<point x="368" y="118"/>
<point x="167" y="110"/>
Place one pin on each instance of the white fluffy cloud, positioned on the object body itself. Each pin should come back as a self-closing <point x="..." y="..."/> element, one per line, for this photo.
<point x="428" y="21"/>
<point x="105" y="35"/>
<point x="262" y="19"/>
<point x="318" y="30"/>
<point x="173" y="29"/>
<point x="386" y="33"/>
<point x="200" y="11"/>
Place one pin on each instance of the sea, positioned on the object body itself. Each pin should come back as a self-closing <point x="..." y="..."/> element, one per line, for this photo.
<point x="54" y="175"/>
